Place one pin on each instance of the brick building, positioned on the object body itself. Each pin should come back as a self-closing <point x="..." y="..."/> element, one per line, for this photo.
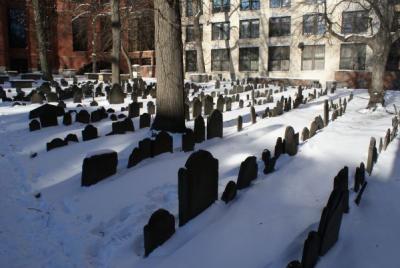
<point x="70" y="35"/>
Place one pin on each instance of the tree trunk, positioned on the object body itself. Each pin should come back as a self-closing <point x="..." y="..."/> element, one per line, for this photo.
<point x="41" y="40"/>
<point x="169" y="68"/>
<point x="94" y="48"/>
<point x="116" y="41"/>
<point x="376" y="91"/>
<point x="198" y="38"/>
<point x="128" y="61"/>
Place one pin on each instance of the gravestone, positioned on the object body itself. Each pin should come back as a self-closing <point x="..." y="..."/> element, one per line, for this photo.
<point x="214" y="125"/>
<point x="387" y="139"/>
<point x="269" y="162"/>
<point x="241" y="104"/>
<point x="113" y="117"/>
<point x="48" y="119"/>
<point x="133" y="109"/>
<point x="55" y="143"/>
<point x="162" y="144"/>
<point x="313" y="129"/>
<point x="359" y="195"/>
<point x="116" y="95"/>
<point x="220" y="103"/>
<point x="151" y="108"/>
<point x="305" y="134"/>
<point x="89" y="133"/>
<point x="145" y="147"/>
<point x="247" y="173"/>
<point x="199" y="129"/>
<point x="160" y="228"/>
<point x="253" y="115"/>
<point x="145" y="120"/>
<point x="208" y="105"/>
<point x="83" y="117"/>
<point x="290" y="141"/>
<point x="230" y="192"/>
<point x="197" y="185"/>
<point x="34" y="125"/>
<point x="371" y="155"/>
<point x="279" y="147"/>
<point x="71" y="138"/>
<point x="320" y="123"/>
<point x="135" y="157"/>
<point x="98" y="166"/>
<point x="341" y="183"/>
<point x="51" y="97"/>
<point x="37" y="98"/>
<point x="188" y="141"/>
<point x="239" y="123"/>
<point x="196" y="107"/>
<point x="311" y="250"/>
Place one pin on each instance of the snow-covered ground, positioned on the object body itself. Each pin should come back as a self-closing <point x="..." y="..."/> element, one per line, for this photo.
<point x="265" y="226"/>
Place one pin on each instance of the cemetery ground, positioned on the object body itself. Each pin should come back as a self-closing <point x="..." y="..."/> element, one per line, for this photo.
<point x="49" y="220"/>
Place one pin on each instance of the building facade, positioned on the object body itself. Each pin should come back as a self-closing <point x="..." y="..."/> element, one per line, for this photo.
<point x="282" y="39"/>
<point x="71" y="29"/>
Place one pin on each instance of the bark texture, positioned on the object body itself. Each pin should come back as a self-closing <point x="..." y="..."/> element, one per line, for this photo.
<point x="169" y="68"/>
<point x="128" y="61"/>
<point x="116" y="41"/>
<point x="94" y="45"/>
<point x="198" y="37"/>
<point x="41" y="40"/>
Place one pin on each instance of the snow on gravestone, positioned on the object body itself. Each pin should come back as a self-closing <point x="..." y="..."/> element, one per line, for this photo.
<point x="247" y="173"/>
<point x="197" y="185"/>
<point x="160" y="228"/>
<point x="97" y="166"/>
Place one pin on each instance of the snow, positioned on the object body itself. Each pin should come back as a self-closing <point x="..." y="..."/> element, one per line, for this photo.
<point x="265" y="226"/>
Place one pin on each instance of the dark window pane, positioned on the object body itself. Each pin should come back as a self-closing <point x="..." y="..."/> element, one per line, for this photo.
<point x="191" y="61"/>
<point x="278" y="58"/>
<point x="16" y="28"/>
<point x="352" y="56"/>
<point x="248" y="59"/>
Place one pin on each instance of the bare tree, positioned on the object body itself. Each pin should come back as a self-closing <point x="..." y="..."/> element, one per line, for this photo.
<point x="169" y="69"/>
<point x="116" y="44"/>
<point x="197" y="8"/>
<point x="39" y="19"/>
<point x="380" y="37"/>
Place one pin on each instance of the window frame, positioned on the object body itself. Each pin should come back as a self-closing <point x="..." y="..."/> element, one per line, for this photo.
<point x="222" y="63"/>
<point x="224" y="6"/>
<point x="283" y="60"/>
<point x="356" y="55"/>
<point x="247" y="55"/>
<point x="190" y="66"/>
<point x="221" y="34"/>
<point x="252" y="5"/>
<point x="280" y="3"/>
<point x="313" y="58"/>
<point x="317" y="20"/>
<point x="252" y="31"/>
<point x="355" y="22"/>
<point x="278" y="22"/>
<point x="191" y="26"/>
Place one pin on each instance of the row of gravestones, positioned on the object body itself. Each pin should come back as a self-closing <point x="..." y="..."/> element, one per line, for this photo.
<point x="198" y="189"/>
<point x="318" y="243"/>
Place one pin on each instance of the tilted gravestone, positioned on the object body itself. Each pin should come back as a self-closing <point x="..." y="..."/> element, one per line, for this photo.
<point x="313" y="129"/>
<point x="197" y="185"/>
<point x="230" y="192"/>
<point x="326" y="113"/>
<point x="269" y="162"/>
<point x="247" y="173"/>
<point x="305" y="134"/>
<point x="162" y="144"/>
<point x="341" y="183"/>
<point x="360" y="194"/>
<point x="34" y="125"/>
<point x="188" y="141"/>
<point x="133" y="109"/>
<point x="215" y="125"/>
<point x="89" y="133"/>
<point x="145" y="120"/>
<point x="55" y="143"/>
<point x="290" y="141"/>
<point x="135" y="157"/>
<point x="160" y="228"/>
<point x="199" y="129"/>
<point x="253" y="115"/>
<point x="151" y="108"/>
<point x="208" y="105"/>
<point x="98" y="166"/>
<point x="387" y="139"/>
<point x="145" y="147"/>
<point x="83" y="117"/>
<point x="371" y="155"/>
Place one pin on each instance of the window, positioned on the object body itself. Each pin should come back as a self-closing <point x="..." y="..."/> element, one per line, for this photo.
<point x="190" y="33"/>
<point x="313" y="58"/>
<point x="17" y="28"/>
<point x="221" y="6"/>
<point x="191" y="60"/>
<point x="279" y="58"/>
<point x="279" y="3"/>
<point x="220" y="31"/>
<point x="190" y="9"/>
<point x="141" y="32"/>
<point x="220" y="60"/>
<point x="249" y="28"/>
<point x="313" y="24"/>
<point x="279" y="26"/>
<point x="80" y="34"/>
<point x="248" y="59"/>
<point x="355" y="22"/>
<point x="352" y="56"/>
<point x="249" y="4"/>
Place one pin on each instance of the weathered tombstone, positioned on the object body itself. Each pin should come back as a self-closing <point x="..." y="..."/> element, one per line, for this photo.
<point x="313" y="129"/>
<point x="341" y="183"/>
<point x="239" y="123"/>
<point x="290" y="141"/>
<point x="188" y="141"/>
<point x="34" y="125"/>
<point x="37" y="98"/>
<point x="89" y="133"/>
<point x="253" y="115"/>
<point x="77" y="97"/>
<point x="196" y="107"/>
<point x="116" y="95"/>
<point x="215" y="125"/>
<point x="311" y="250"/>
<point x="208" y="105"/>
<point x="55" y="143"/>
<point x="162" y="144"/>
<point x="387" y="139"/>
<point x="320" y="122"/>
<point x="197" y="185"/>
<point x="151" y="108"/>
<point x="279" y="147"/>
<point x="217" y="84"/>
<point x="326" y="113"/>
<point x="228" y="104"/>
<point x="145" y="120"/>
<point x="98" y="166"/>
<point x="230" y="192"/>
<point x="199" y="129"/>
<point x="160" y="228"/>
<point x="145" y="147"/>
<point x="133" y="109"/>
<point x="48" y="119"/>
<point x="71" y="138"/>
<point x="220" y="103"/>
<point x="269" y="162"/>
<point x="359" y="177"/>
<point x="83" y="117"/>
<point x="247" y="173"/>
<point x="51" y="97"/>
<point x="305" y="134"/>
<point x="135" y="157"/>
<point x="241" y="104"/>
<point x="380" y="148"/>
<point x="370" y="160"/>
